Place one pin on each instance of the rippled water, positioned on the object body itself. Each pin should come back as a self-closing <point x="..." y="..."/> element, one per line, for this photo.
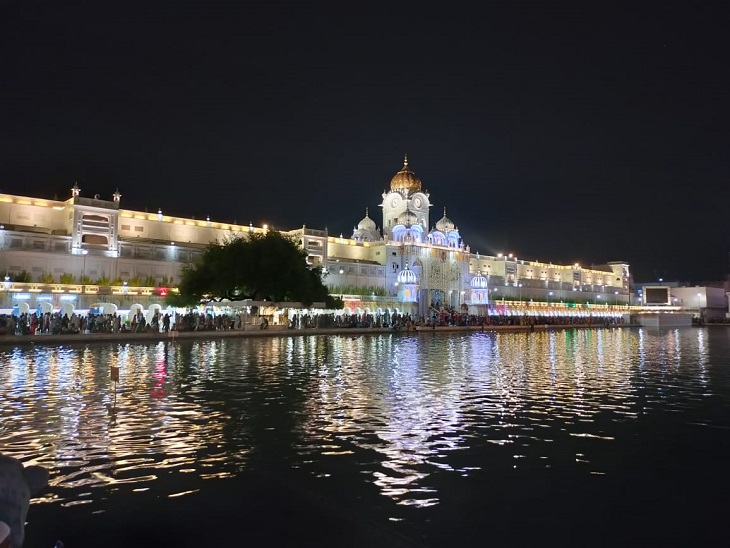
<point x="442" y="437"/>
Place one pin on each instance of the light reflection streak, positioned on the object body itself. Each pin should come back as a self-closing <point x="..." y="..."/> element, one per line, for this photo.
<point x="398" y="413"/>
<point x="484" y="383"/>
<point x="60" y="402"/>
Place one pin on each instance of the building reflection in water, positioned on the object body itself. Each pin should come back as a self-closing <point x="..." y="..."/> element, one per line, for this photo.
<point x="430" y="404"/>
<point x="396" y="413"/>
<point x="65" y="413"/>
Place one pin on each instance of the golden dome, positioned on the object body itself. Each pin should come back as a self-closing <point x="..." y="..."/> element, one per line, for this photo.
<point x="405" y="179"/>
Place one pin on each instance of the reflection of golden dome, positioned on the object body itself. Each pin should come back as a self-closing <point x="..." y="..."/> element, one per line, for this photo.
<point x="405" y="179"/>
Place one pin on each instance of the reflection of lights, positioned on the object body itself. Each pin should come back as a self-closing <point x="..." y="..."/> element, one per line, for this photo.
<point x="96" y="438"/>
<point x="409" y="414"/>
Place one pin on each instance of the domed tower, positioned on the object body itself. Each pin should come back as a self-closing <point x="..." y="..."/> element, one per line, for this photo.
<point x="405" y="180"/>
<point x="444" y="224"/>
<point x="405" y="195"/>
<point x="407" y="286"/>
<point x="479" y="293"/>
<point x="445" y="234"/>
<point x="366" y="230"/>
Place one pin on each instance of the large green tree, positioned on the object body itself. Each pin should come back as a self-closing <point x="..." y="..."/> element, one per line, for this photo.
<point x="260" y="266"/>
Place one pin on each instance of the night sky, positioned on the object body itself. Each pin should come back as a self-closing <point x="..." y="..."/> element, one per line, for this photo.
<point x="558" y="132"/>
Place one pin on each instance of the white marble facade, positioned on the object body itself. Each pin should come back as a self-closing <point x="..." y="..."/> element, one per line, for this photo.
<point x="97" y="238"/>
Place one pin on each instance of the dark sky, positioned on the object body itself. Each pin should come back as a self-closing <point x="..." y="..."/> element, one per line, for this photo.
<point x="559" y="132"/>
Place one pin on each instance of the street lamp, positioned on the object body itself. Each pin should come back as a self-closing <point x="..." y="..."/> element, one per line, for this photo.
<point x="520" y="286"/>
<point x="84" y="252"/>
<point x="550" y="294"/>
<point x="616" y="298"/>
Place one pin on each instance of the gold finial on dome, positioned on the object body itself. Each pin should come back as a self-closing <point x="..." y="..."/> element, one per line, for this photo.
<point x="405" y="179"/>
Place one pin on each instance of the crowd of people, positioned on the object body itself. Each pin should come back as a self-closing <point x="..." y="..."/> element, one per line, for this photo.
<point x="159" y="322"/>
<point x="58" y="323"/>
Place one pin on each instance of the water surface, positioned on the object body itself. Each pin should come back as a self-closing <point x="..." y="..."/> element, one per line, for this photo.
<point x="590" y="436"/>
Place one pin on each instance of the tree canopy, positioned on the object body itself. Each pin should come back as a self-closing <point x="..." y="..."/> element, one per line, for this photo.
<point x="268" y="266"/>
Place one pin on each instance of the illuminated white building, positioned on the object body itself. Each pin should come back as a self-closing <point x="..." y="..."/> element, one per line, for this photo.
<point x="93" y="248"/>
<point x="444" y="266"/>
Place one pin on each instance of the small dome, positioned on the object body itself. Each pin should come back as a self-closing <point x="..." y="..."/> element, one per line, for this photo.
<point x="445" y="224"/>
<point x="407" y="218"/>
<point x="367" y="223"/>
<point x="479" y="282"/>
<point x="407" y="276"/>
<point x="405" y="179"/>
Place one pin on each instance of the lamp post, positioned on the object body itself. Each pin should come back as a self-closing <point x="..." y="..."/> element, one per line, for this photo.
<point x="550" y="294"/>
<point x="84" y="252"/>
<point x="520" y="290"/>
<point x="615" y="298"/>
<point x="6" y="286"/>
<point x="83" y="272"/>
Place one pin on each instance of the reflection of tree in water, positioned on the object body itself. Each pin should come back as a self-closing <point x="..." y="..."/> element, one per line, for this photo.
<point x="358" y="417"/>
